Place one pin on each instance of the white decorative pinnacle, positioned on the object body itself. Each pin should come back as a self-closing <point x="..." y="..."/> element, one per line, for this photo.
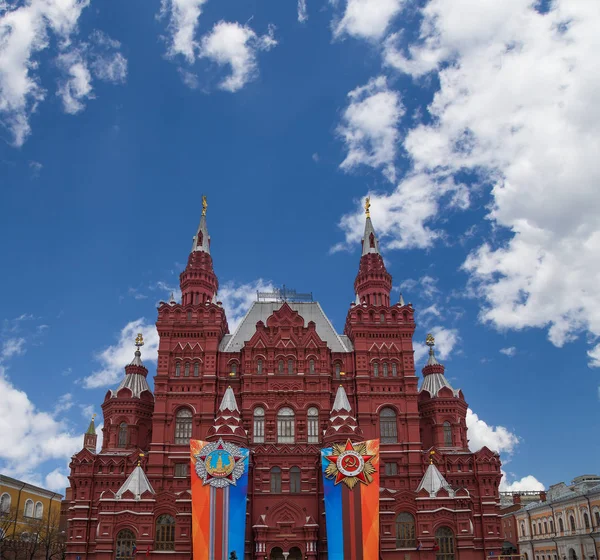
<point x="229" y="402"/>
<point x="341" y="401"/>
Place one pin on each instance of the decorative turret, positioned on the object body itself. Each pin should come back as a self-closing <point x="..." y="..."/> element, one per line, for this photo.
<point x="342" y="424"/>
<point x="90" y="438"/>
<point x="443" y="409"/>
<point x="228" y="423"/>
<point x="199" y="284"/>
<point x="433" y="373"/>
<point x="373" y="282"/>
<point x="128" y="409"/>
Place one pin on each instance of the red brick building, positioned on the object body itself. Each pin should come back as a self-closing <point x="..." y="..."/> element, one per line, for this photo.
<point x="298" y="385"/>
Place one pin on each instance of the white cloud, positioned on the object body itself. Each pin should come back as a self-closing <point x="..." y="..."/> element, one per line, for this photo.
<point x="24" y="31"/>
<point x="367" y="19"/>
<point x="77" y="87"/>
<point x="57" y="481"/>
<point x="517" y="106"/>
<point x="30" y="436"/>
<point x="445" y="342"/>
<point x="114" y="358"/>
<point x="510" y="352"/>
<point x="237" y="46"/>
<point x="496" y="438"/>
<point x="403" y="219"/>
<point x="369" y="127"/>
<point x="189" y="78"/>
<point x="527" y="483"/>
<point x="63" y="403"/>
<point x="12" y="347"/>
<point x="183" y="23"/>
<point x="237" y="299"/>
<point x="302" y="11"/>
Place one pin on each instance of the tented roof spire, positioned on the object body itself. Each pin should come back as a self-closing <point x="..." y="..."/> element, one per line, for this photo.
<point x="201" y="241"/>
<point x="369" y="240"/>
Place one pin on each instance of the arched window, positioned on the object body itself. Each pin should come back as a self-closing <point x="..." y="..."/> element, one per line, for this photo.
<point x="5" y="503"/>
<point x="534" y="528"/>
<point x="561" y="525"/>
<point x="552" y="526"/>
<point x="382" y="318"/>
<point x="311" y="366"/>
<point x="572" y="522"/>
<point x="445" y="541"/>
<point x="196" y="369"/>
<point x="313" y="425"/>
<point x="234" y="368"/>
<point x="39" y="510"/>
<point x="586" y="520"/>
<point x="405" y="530"/>
<point x="572" y="554"/>
<point x="447" y="434"/>
<point x="165" y="533"/>
<point x="259" y="366"/>
<point x="259" y="425"/>
<point x="290" y="367"/>
<point x="189" y="315"/>
<point x="545" y="526"/>
<point x="295" y="480"/>
<point x="394" y="369"/>
<point x="285" y="425"/>
<point x="338" y="369"/>
<point x="186" y="371"/>
<point x="375" y="369"/>
<point x="122" y="435"/>
<point x="28" y="510"/>
<point x="280" y="366"/>
<point x="540" y="528"/>
<point x="183" y="426"/>
<point x="276" y="554"/>
<point x="177" y="369"/>
<point x="385" y="369"/>
<point x="597" y="516"/>
<point x="388" y="430"/>
<point x="275" y="480"/>
<point x="125" y="545"/>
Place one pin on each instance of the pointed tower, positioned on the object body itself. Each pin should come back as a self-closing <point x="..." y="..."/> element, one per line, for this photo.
<point x="136" y="485"/>
<point x="373" y="283"/>
<point x="228" y="423"/>
<point x="443" y="409"/>
<point x="128" y="409"/>
<point x="90" y="438"/>
<point x="342" y="424"/>
<point x="198" y="281"/>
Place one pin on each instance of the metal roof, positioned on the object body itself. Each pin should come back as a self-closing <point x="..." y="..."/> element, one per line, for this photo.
<point x="433" y="481"/>
<point x="137" y="483"/>
<point x="309" y="311"/>
<point x="433" y="382"/>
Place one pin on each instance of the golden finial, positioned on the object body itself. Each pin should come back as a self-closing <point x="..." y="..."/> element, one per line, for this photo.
<point x="139" y="340"/>
<point x="140" y="459"/>
<point x="431" y="454"/>
<point x="93" y="416"/>
<point x="367" y="206"/>
<point x="204" y="205"/>
<point x="430" y="341"/>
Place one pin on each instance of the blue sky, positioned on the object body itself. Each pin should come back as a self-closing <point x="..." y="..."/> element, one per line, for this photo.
<point x="473" y="124"/>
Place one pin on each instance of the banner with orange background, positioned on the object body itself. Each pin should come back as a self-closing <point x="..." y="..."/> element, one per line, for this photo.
<point x="219" y="475"/>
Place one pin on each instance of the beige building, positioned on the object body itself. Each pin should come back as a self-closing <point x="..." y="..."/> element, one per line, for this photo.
<point x="564" y="527"/>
